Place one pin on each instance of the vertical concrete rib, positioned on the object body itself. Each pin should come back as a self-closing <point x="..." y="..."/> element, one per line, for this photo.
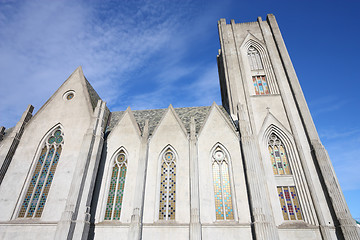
<point x="11" y="143"/>
<point x="263" y="220"/>
<point x="347" y="223"/>
<point x="195" y="225"/>
<point x="67" y="224"/>
<point x="135" y="230"/>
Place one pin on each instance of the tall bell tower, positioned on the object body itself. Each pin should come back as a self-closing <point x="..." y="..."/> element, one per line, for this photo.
<point x="290" y="178"/>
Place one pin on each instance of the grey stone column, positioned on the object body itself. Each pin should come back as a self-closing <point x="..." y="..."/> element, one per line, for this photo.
<point x="347" y="223"/>
<point x="135" y="230"/>
<point x="82" y="184"/>
<point x="82" y="223"/>
<point x="12" y="141"/>
<point x="195" y="225"/>
<point x="262" y="218"/>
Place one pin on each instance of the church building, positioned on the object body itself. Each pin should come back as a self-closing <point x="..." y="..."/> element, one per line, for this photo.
<point x="252" y="168"/>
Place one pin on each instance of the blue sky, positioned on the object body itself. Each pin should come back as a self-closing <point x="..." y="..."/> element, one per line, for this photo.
<point x="148" y="54"/>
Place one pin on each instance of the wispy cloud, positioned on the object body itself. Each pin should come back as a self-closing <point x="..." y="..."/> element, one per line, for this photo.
<point x="326" y="104"/>
<point x="133" y="52"/>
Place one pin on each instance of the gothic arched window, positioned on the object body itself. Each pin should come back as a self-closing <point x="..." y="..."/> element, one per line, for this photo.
<point x="257" y="72"/>
<point x="278" y="156"/>
<point x="39" y="186"/>
<point x="222" y="189"/>
<point x="116" y="189"/>
<point x="167" y="185"/>
<point x="254" y="59"/>
<point x="288" y="197"/>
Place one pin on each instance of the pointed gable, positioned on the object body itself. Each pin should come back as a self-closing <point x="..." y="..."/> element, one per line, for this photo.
<point x="126" y="124"/>
<point x="217" y="113"/>
<point x="169" y="118"/>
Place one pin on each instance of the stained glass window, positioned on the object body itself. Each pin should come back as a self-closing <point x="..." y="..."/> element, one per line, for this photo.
<point x="39" y="186"/>
<point x="278" y="156"/>
<point x="254" y="59"/>
<point x="167" y="186"/>
<point x="222" y="189"/>
<point x="289" y="202"/>
<point x="260" y="85"/>
<point x="116" y="189"/>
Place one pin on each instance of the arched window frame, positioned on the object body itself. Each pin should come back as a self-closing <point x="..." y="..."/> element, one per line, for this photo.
<point x="159" y="199"/>
<point x="227" y="159"/>
<point x="105" y="193"/>
<point x="265" y="74"/>
<point x="297" y="179"/>
<point x="116" y="186"/>
<point x="44" y="165"/>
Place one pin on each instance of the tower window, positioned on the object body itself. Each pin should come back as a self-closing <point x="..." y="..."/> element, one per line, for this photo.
<point x="260" y="85"/>
<point x="278" y="156"/>
<point x="254" y="59"/>
<point x="116" y="190"/>
<point x="39" y="186"/>
<point x="289" y="202"/>
<point x="222" y="189"/>
<point x="167" y="186"/>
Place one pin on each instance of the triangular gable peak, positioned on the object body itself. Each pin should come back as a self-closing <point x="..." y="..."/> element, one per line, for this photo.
<point x="87" y="90"/>
<point x="251" y="40"/>
<point x="171" y="110"/>
<point x="216" y="109"/>
<point x="271" y="123"/>
<point x="127" y="114"/>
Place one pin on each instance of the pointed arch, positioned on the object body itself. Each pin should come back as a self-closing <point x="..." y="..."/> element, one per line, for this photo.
<point x="167" y="201"/>
<point x="260" y="65"/>
<point x="285" y="164"/>
<point x="48" y="155"/>
<point x="220" y="161"/>
<point x="119" y="163"/>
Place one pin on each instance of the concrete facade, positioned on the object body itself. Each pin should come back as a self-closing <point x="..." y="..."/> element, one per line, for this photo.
<point x="262" y="103"/>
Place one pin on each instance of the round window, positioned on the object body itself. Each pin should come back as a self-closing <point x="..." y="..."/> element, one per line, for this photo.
<point x="69" y="95"/>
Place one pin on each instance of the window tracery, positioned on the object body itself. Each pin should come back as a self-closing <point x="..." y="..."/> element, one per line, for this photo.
<point x="288" y="197"/>
<point x="254" y="59"/>
<point x="222" y="188"/>
<point x="167" y="186"/>
<point x="116" y="189"/>
<point x="278" y="156"/>
<point x="257" y="71"/>
<point x="40" y="183"/>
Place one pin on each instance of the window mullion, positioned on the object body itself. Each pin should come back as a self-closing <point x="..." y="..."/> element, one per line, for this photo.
<point x="167" y="191"/>
<point x="45" y="180"/>
<point x="115" y="193"/>
<point x="37" y="180"/>
<point x="222" y="189"/>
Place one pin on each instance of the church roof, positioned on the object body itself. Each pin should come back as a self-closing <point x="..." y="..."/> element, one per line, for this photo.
<point x="155" y="115"/>
<point x="94" y="97"/>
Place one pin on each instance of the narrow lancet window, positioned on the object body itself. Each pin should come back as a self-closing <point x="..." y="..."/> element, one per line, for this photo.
<point x="254" y="59"/>
<point x="222" y="189"/>
<point x="39" y="186"/>
<point x="167" y="186"/>
<point x="289" y="202"/>
<point x="116" y="189"/>
<point x="278" y="156"/>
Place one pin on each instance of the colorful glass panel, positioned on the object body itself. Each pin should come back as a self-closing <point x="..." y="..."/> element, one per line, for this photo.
<point x="289" y="203"/>
<point x="260" y="85"/>
<point x="116" y="189"/>
<point x="167" y="186"/>
<point x="278" y="156"/>
<point x="219" y="209"/>
<point x="42" y="177"/>
<point x="222" y="189"/>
